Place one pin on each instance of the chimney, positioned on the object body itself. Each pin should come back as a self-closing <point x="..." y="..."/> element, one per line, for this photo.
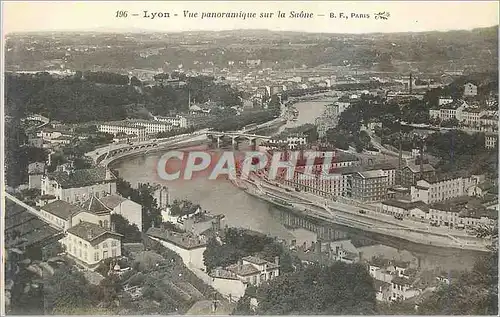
<point x="411" y="83"/>
<point x="277" y="260"/>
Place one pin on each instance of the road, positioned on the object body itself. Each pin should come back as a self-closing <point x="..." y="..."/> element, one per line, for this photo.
<point x="372" y="221"/>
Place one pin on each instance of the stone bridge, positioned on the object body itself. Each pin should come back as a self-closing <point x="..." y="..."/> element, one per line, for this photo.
<point x="235" y="136"/>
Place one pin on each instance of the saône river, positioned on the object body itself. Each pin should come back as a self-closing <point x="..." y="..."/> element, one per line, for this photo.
<point x="242" y="210"/>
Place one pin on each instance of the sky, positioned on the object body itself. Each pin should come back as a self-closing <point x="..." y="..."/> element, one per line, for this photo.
<point x="411" y="16"/>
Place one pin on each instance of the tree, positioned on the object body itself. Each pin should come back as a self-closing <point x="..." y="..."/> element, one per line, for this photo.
<point x="129" y="231"/>
<point x="333" y="290"/>
<point x="473" y="293"/>
<point x="67" y="290"/>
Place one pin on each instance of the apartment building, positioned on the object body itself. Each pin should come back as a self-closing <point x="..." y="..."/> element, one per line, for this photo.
<point x="470" y="90"/>
<point x="491" y="140"/>
<point x="78" y="185"/>
<point x="177" y="121"/>
<point x="443" y="187"/>
<point x="89" y="244"/>
<point x="123" y="127"/>
<point x="369" y="186"/>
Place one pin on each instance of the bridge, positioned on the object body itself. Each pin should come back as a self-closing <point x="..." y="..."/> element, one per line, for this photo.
<point x="235" y="136"/>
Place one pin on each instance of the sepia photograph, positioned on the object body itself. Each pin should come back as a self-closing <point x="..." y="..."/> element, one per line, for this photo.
<point x="249" y="158"/>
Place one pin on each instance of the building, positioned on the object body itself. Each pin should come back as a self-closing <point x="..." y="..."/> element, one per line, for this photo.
<point x="403" y="288"/>
<point x="414" y="210"/>
<point x="491" y="140"/>
<point x="189" y="247"/>
<point x="123" y="127"/>
<point x="443" y="187"/>
<point x="36" y="171"/>
<point x="177" y="121"/>
<point x="383" y="290"/>
<point x="89" y="244"/>
<point x="254" y="271"/>
<point x="412" y="172"/>
<point x="470" y="90"/>
<point x="114" y="204"/>
<point x="369" y="186"/>
<point x="461" y="213"/>
<point x="78" y="185"/>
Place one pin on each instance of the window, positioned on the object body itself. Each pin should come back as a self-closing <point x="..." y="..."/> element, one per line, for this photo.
<point x="96" y="256"/>
<point x="104" y="245"/>
<point x="85" y="255"/>
<point x="113" y="252"/>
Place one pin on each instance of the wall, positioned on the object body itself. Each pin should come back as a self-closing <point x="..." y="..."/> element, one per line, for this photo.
<point x="192" y="257"/>
<point x="90" y="217"/>
<point x="227" y="287"/>
<point x="85" y="252"/>
<point x="131" y="211"/>
<point x="80" y="194"/>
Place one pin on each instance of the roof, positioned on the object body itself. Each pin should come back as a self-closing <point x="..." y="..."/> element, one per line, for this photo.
<point x="414" y="168"/>
<point x="372" y="174"/>
<point x="23" y="229"/>
<point x="243" y="270"/>
<point x="402" y="280"/>
<point x="94" y="205"/>
<point x="255" y="260"/>
<point x="112" y="201"/>
<point x="380" y="284"/>
<point x="183" y="240"/>
<point x="62" y="209"/>
<point x="89" y="231"/>
<point x="406" y="205"/>
<point x="447" y="176"/>
<point x="81" y="178"/>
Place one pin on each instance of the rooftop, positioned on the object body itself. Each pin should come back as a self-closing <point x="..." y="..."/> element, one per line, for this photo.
<point x="372" y="174"/>
<point x="89" y="231"/>
<point x="81" y="178"/>
<point x="415" y="168"/>
<point x="184" y="240"/>
<point x="62" y="209"/>
<point x="406" y="205"/>
<point x="23" y="229"/>
<point x="243" y="269"/>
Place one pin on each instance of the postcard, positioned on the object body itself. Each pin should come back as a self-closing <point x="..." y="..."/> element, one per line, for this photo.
<point x="249" y="158"/>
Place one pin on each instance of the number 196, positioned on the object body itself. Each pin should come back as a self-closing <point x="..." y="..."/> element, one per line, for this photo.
<point x="121" y="14"/>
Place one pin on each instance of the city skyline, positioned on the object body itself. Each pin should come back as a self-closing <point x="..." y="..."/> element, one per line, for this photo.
<point x="22" y="17"/>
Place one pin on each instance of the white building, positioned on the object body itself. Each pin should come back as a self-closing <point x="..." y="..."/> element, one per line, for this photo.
<point x="177" y="121"/>
<point x="89" y="244"/>
<point x="491" y="140"/>
<point x="114" y="204"/>
<point x="186" y="245"/>
<point x="77" y="186"/>
<point x="123" y="127"/>
<point x="253" y="270"/>
<point x="442" y="187"/>
<point x="470" y="90"/>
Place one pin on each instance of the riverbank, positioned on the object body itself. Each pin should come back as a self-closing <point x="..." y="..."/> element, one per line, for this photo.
<point x="389" y="229"/>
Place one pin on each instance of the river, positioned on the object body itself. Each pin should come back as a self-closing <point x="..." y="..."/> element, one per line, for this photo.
<point x="242" y="210"/>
